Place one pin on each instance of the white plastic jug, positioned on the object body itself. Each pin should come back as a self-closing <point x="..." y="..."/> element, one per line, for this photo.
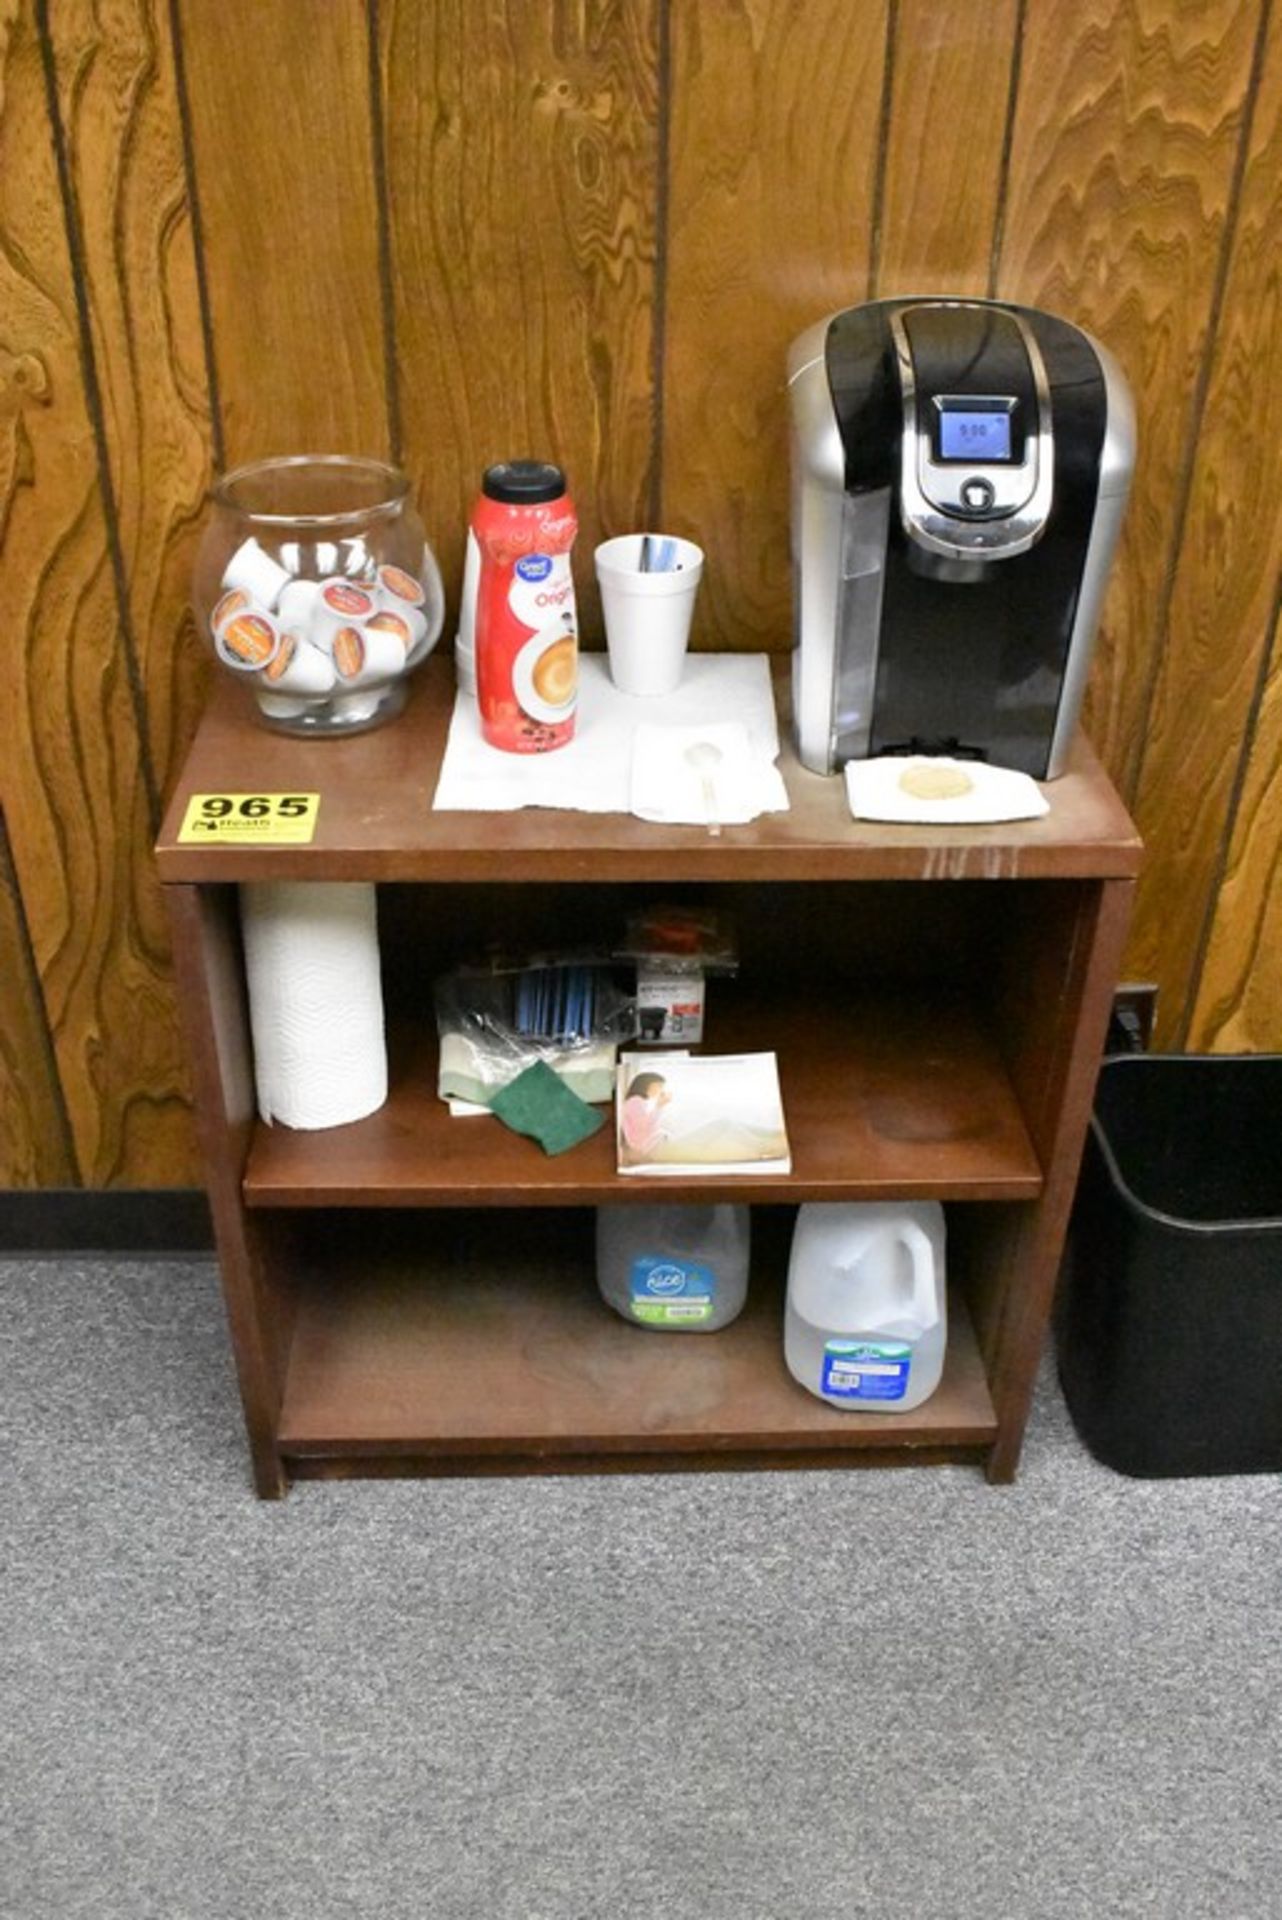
<point x="680" y="1269"/>
<point x="866" y="1321"/>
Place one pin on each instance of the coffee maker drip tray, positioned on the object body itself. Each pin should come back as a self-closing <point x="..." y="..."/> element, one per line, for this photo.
<point x="954" y="749"/>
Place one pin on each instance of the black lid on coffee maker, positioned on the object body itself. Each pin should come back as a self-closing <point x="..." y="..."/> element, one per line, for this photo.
<point x="523" y="482"/>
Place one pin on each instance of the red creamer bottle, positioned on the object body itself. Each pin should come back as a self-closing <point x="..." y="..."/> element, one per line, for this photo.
<point x="527" y="647"/>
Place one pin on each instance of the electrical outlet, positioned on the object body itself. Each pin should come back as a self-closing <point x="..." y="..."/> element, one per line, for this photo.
<point x="1134" y="1017"/>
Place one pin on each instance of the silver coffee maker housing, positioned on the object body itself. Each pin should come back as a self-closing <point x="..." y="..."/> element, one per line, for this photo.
<point x="960" y="470"/>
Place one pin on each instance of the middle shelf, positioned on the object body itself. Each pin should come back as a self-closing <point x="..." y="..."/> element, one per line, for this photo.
<point x="884" y="1094"/>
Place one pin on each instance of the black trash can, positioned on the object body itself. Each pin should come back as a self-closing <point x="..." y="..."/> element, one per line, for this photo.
<point x="1169" y="1319"/>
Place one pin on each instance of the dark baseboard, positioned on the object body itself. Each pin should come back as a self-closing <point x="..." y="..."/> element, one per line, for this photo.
<point x="136" y="1220"/>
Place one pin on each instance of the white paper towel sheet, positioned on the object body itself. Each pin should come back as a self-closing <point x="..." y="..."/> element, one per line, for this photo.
<point x="315" y="1001"/>
<point x="734" y="784"/>
<point x="593" y="774"/>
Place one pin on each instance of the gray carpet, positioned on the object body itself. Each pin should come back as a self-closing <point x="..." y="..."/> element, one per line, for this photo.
<point x="900" y="1694"/>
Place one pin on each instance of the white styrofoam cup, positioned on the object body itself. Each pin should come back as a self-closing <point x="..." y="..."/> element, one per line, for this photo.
<point x="647" y="615"/>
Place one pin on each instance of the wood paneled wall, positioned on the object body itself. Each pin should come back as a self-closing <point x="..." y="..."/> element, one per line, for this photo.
<point x="449" y="230"/>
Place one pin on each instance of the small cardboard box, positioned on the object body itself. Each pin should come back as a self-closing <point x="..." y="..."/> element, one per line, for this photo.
<point x="669" y="1007"/>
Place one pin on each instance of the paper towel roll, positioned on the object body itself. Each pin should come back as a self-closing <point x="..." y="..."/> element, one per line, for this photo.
<point x="315" y="1001"/>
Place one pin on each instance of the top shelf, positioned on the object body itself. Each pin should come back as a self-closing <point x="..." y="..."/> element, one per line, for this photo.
<point x="376" y="820"/>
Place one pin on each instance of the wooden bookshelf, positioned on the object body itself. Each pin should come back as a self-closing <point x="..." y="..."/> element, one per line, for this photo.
<point x="937" y="1002"/>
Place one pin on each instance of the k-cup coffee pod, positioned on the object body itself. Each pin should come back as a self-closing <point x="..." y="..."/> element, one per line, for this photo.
<point x="365" y="655"/>
<point x="346" y="599"/>
<point x="340" y="604"/>
<point x="248" y="642"/>
<point x="348" y="645"/>
<point x="299" y="667"/>
<point x="237" y="601"/>
<point x="297" y="604"/>
<point x="415" y="619"/>
<point x="384" y="652"/>
<point x="385" y="621"/>
<point x="282" y="706"/>
<point x="256" y="573"/>
<point x="420" y="643"/>
<point x="355" y="708"/>
<point x="401" y="585"/>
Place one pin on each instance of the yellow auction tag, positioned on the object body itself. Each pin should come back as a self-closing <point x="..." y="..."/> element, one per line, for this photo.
<point x="249" y="819"/>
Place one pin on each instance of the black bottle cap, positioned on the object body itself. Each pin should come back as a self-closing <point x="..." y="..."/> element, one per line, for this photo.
<point x="523" y="482"/>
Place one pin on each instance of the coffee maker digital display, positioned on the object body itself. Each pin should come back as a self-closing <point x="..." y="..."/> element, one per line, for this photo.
<point x="960" y="473"/>
<point x="964" y="430"/>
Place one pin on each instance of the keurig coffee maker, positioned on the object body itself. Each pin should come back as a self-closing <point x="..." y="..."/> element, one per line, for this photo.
<point x="960" y="471"/>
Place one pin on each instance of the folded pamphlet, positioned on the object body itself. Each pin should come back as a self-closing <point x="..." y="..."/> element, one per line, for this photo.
<point x="701" y="1114"/>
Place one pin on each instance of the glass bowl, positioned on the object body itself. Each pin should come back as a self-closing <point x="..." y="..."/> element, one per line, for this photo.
<point x="315" y="586"/>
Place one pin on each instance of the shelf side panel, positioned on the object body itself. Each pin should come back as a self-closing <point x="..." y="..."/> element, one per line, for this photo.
<point x="1057" y="1064"/>
<point x="258" y="1294"/>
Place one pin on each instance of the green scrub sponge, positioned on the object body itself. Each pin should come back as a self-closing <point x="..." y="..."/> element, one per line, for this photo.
<point x="539" y="1104"/>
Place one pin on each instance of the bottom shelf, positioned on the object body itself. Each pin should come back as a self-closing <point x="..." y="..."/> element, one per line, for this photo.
<point x="486" y="1348"/>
